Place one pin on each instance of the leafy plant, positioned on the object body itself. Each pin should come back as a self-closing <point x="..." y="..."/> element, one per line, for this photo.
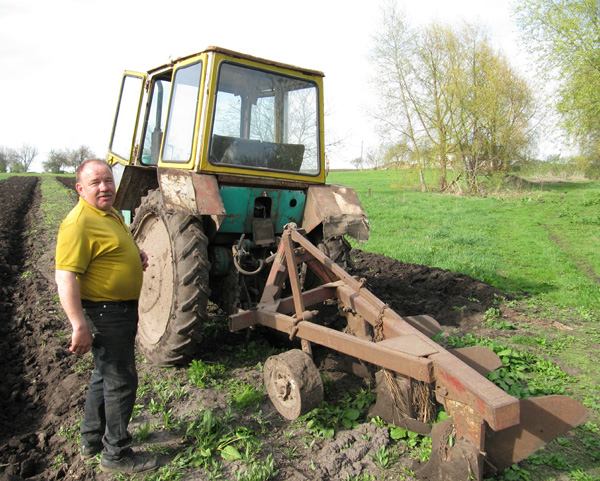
<point x="323" y="421"/>
<point x="515" y="473"/>
<point x="244" y="396"/>
<point x="360" y="477"/>
<point x="543" y="377"/>
<point x="384" y="458"/>
<point x="410" y="438"/>
<point x="202" y="374"/>
<point x="143" y="432"/>
<point x="258" y="471"/>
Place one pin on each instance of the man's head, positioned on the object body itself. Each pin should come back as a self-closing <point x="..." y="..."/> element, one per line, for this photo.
<point x="96" y="184"/>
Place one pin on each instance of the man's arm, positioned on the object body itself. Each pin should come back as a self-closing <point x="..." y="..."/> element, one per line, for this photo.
<point x="70" y="299"/>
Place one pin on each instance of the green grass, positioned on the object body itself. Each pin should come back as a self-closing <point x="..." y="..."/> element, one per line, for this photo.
<point x="541" y="241"/>
<point x="56" y="203"/>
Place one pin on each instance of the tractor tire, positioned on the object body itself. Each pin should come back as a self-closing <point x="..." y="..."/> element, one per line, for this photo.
<point x="175" y="292"/>
<point x="337" y="249"/>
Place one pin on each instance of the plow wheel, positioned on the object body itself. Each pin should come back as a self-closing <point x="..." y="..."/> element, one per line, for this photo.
<point x="174" y="295"/>
<point x="293" y="383"/>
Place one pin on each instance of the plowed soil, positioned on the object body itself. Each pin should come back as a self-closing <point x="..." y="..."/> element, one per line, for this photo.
<point x="41" y="392"/>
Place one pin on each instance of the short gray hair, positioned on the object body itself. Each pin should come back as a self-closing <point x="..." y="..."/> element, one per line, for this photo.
<point x="86" y="162"/>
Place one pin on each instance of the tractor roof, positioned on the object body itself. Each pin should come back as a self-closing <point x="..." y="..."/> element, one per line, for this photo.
<point x="239" y="55"/>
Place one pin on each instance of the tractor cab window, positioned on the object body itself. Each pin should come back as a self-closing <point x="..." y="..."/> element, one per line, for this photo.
<point x="179" y="136"/>
<point x="264" y="120"/>
<point x="125" y="125"/>
<point x="154" y="126"/>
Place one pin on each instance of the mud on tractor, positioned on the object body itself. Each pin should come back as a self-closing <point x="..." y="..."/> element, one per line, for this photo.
<point x="220" y="167"/>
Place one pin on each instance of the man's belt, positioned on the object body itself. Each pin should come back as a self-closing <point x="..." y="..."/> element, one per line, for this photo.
<point x="98" y="304"/>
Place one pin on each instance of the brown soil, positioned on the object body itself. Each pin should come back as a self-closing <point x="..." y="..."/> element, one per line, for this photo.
<point x="42" y="386"/>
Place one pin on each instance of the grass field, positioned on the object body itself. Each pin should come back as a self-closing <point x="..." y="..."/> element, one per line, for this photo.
<point x="540" y="240"/>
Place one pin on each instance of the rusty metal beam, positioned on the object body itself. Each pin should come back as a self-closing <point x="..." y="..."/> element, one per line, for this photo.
<point x="387" y="357"/>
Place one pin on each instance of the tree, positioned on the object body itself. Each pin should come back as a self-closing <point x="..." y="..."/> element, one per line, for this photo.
<point x="447" y="95"/>
<point x="496" y="109"/>
<point x="21" y="159"/>
<point x="77" y="156"/>
<point x="57" y="161"/>
<point x="394" y="74"/>
<point x="5" y="155"/>
<point x="564" y="34"/>
<point x="374" y="159"/>
<point x="357" y="163"/>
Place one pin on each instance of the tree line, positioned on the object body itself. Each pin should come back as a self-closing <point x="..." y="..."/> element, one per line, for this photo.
<point x="59" y="160"/>
<point x="449" y="100"/>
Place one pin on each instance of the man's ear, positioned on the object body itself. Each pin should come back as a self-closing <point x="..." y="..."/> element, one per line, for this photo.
<point x="79" y="189"/>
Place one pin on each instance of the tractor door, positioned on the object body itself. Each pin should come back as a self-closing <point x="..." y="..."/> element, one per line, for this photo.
<point x="125" y="127"/>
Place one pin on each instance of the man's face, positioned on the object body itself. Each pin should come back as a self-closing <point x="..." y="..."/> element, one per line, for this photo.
<point x="97" y="186"/>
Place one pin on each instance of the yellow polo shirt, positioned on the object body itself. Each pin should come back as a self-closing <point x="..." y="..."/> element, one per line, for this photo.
<point x="100" y="249"/>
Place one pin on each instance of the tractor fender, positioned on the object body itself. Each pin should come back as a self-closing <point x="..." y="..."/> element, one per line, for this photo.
<point x="181" y="190"/>
<point x="338" y="209"/>
<point x="192" y="193"/>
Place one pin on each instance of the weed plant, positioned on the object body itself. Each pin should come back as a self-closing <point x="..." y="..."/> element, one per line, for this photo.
<point x="346" y="413"/>
<point x="522" y="374"/>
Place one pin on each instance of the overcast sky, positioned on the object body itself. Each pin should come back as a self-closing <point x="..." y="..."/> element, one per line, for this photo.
<point x="61" y="61"/>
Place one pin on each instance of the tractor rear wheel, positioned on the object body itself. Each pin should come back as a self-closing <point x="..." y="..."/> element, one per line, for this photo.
<point x="175" y="291"/>
<point x="336" y="248"/>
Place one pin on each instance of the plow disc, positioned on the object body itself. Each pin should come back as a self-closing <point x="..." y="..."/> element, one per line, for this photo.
<point x="487" y="431"/>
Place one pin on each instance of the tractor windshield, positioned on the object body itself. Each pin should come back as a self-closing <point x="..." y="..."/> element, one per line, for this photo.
<point x="265" y="120"/>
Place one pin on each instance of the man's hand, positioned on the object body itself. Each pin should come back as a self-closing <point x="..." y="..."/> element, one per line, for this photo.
<point x="81" y="341"/>
<point x="144" y="258"/>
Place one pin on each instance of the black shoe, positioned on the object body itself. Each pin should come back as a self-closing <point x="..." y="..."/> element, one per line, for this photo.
<point x="88" y="452"/>
<point x="131" y="464"/>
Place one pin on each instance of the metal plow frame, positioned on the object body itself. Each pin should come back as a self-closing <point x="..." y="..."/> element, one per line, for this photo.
<point x="487" y="430"/>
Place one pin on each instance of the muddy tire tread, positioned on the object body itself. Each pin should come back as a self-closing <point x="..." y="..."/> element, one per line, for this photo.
<point x="189" y="247"/>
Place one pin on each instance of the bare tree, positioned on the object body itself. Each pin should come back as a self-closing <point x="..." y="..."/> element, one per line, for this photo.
<point x="20" y="160"/>
<point x="394" y="74"/>
<point x="375" y="159"/>
<point x="78" y="155"/>
<point x="57" y="161"/>
<point x="358" y="163"/>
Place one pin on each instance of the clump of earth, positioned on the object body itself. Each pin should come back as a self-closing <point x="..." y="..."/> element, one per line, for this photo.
<point x="42" y="389"/>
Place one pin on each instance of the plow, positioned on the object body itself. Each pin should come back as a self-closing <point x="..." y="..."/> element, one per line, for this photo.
<point x="487" y="429"/>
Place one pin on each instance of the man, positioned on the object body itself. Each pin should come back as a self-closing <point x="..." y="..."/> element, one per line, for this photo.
<point x="99" y="273"/>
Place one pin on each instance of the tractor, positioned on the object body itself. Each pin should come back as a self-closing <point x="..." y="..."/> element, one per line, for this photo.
<point x="219" y="160"/>
<point x="214" y="154"/>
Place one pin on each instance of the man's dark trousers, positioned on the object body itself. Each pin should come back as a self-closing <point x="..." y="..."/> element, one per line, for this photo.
<point x="111" y="395"/>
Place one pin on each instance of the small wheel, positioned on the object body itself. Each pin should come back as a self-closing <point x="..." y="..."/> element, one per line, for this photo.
<point x="293" y="383"/>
